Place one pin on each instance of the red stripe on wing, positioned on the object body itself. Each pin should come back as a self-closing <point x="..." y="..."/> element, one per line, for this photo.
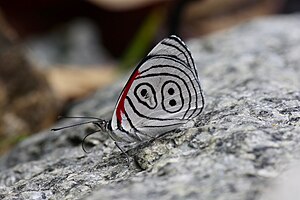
<point x="120" y="107"/>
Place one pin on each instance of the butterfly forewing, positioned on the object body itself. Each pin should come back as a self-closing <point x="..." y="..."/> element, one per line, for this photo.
<point x="162" y="93"/>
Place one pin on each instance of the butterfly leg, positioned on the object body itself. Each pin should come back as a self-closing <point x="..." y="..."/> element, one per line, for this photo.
<point x="122" y="150"/>
<point x="144" y="134"/>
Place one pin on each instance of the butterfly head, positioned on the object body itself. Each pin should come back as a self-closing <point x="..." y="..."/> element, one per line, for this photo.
<point x="103" y="125"/>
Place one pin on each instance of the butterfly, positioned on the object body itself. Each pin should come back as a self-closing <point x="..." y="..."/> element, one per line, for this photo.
<point x="162" y="94"/>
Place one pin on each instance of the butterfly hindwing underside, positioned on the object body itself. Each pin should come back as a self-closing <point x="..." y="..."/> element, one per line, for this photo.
<point x="162" y="94"/>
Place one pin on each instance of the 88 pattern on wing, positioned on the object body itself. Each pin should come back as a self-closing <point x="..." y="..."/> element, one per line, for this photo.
<point x="162" y="94"/>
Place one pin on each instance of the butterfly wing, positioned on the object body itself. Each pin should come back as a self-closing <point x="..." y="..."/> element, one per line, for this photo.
<point x="162" y="93"/>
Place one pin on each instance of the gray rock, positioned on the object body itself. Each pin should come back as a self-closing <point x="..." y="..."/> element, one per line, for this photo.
<point x="285" y="186"/>
<point x="247" y="135"/>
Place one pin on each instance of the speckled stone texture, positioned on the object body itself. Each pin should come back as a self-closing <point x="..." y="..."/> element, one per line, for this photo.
<point x="247" y="135"/>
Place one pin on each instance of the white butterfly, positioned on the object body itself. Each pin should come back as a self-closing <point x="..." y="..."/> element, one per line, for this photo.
<point x="162" y="94"/>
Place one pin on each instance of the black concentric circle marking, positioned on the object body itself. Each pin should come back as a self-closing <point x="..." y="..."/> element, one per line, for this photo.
<point x="173" y="102"/>
<point x="146" y="95"/>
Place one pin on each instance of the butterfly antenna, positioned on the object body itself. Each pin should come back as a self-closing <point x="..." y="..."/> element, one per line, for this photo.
<point x="77" y="117"/>
<point x="94" y="120"/>
<point x="82" y="143"/>
<point x="73" y="125"/>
